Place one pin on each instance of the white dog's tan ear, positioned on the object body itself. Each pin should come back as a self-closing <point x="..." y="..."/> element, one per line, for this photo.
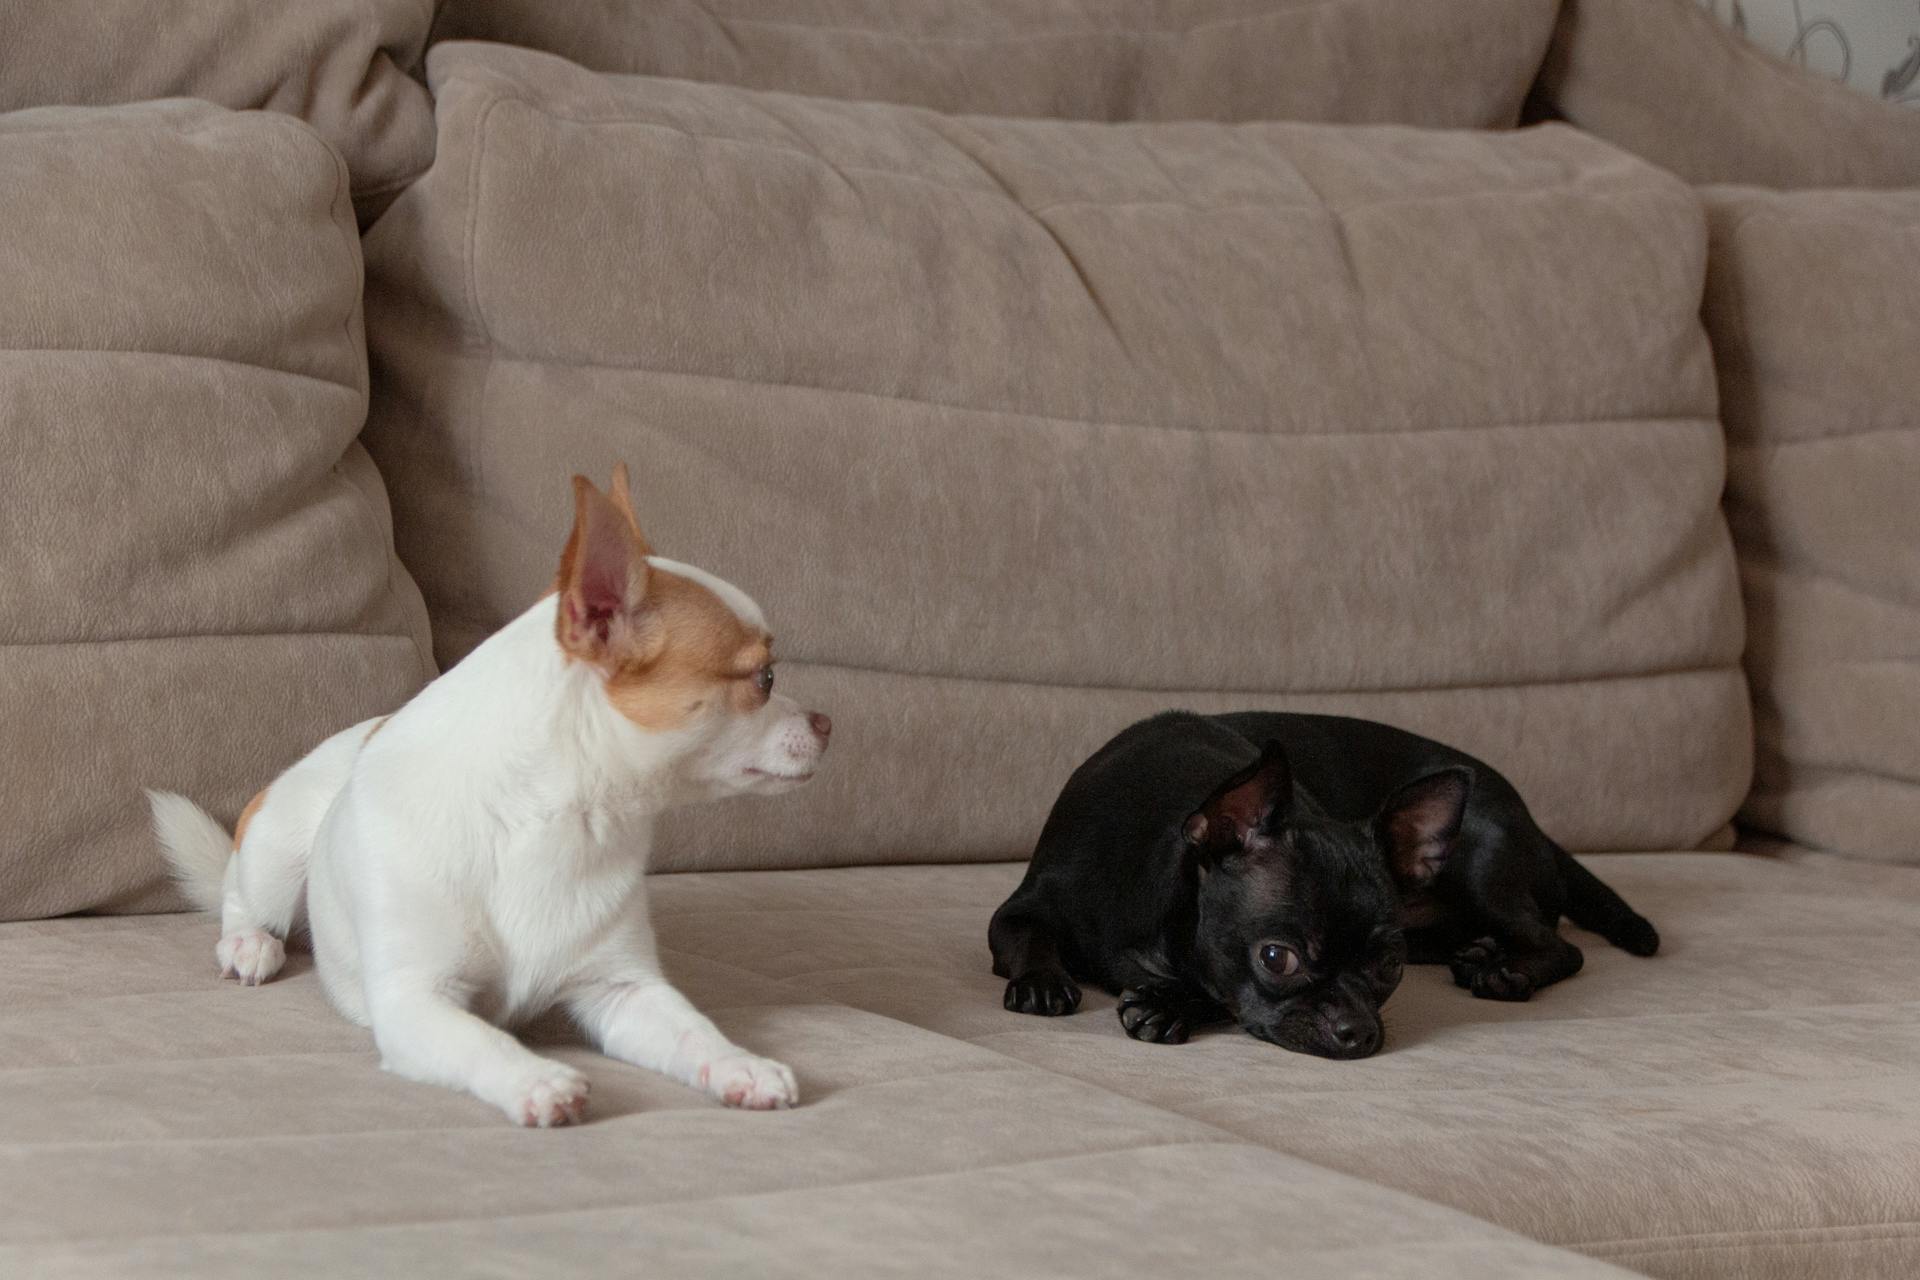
<point x="623" y="499"/>
<point x="603" y="576"/>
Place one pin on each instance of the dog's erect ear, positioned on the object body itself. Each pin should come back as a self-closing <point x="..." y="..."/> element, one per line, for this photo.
<point x="623" y="498"/>
<point x="1417" y="826"/>
<point x="603" y="576"/>
<point x="1251" y="800"/>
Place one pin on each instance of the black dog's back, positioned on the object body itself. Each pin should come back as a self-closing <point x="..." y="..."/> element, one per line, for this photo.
<point x="1349" y="764"/>
<point x="1100" y="877"/>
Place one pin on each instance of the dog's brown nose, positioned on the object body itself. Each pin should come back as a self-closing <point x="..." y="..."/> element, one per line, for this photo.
<point x="822" y="726"/>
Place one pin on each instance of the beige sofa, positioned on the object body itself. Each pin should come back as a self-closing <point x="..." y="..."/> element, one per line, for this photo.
<point x="1037" y="366"/>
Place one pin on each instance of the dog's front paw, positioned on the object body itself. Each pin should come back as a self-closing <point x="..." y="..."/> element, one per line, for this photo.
<point x="1481" y="968"/>
<point x="750" y="1083"/>
<point x="1147" y="1016"/>
<point x="1473" y="958"/>
<point x="548" y="1098"/>
<point x="1501" y="983"/>
<point x="251" y="955"/>
<point x="1047" y="994"/>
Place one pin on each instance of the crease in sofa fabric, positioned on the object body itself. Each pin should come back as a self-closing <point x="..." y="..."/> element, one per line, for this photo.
<point x="1334" y="60"/>
<point x="1634" y="421"/>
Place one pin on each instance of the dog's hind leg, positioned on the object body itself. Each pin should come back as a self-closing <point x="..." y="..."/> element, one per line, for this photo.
<point x="1027" y="952"/>
<point x="1592" y="904"/>
<point x="209" y="867"/>
<point x="265" y="881"/>
<point x="263" y="897"/>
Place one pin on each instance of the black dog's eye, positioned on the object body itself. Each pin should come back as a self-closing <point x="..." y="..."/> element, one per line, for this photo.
<point x="1388" y="968"/>
<point x="1278" y="960"/>
<point x="763" y="679"/>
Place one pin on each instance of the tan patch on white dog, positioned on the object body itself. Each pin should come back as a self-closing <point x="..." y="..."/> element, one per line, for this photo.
<point x="246" y="815"/>
<point x="696" y="652"/>
<point x="670" y="647"/>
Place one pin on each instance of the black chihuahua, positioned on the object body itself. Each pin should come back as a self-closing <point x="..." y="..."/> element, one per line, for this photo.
<point x="1283" y="886"/>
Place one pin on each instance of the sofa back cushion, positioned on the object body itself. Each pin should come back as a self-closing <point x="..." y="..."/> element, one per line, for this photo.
<point x="1813" y="301"/>
<point x="1466" y="63"/>
<point x="196" y="572"/>
<point x="1021" y="430"/>
<point x="340" y="65"/>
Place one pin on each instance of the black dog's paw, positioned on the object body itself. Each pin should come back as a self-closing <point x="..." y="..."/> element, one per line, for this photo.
<point x="1047" y="994"/>
<point x="1147" y="1016"/>
<point x="1637" y="937"/>
<point x="1496" y="982"/>
<point x="1472" y="959"/>
<point x="1481" y="968"/>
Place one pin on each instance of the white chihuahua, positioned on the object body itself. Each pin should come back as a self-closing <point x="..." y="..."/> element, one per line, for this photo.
<point x="479" y="856"/>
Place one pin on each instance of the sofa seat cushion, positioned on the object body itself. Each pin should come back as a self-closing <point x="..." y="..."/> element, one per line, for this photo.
<point x="1741" y="1105"/>
<point x="181" y="1125"/>
<point x="1022" y="430"/>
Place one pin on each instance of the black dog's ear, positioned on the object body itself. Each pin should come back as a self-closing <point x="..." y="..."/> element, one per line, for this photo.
<point x="1251" y="800"/>
<point x="1418" y="825"/>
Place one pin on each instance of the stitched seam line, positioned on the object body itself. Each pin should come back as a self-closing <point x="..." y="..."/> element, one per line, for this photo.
<point x="208" y="636"/>
<point x="255" y="365"/>
<point x="1581" y="183"/>
<point x="1268" y="14"/>
<point x="1729" y="668"/>
<point x="1843" y="1233"/>
<point x="1691" y="420"/>
<point x="482" y="132"/>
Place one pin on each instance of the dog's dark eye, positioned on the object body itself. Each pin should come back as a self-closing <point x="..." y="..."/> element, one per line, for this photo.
<point x="1388" y="968"/>
<point x="763" y="679"/>
<point x="1278" y="960"/>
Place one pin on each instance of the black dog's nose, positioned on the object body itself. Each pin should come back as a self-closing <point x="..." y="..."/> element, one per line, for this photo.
<point x="1354" y="1037"/>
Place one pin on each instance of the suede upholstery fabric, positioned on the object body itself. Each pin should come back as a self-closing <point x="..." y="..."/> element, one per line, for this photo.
<point x="340" y="65"/>
<point x="1464" y="64"/>
<point x="1020" y="430"/>
<point x="1813" y="302"/>
<point x="197" y="579"/>
<point x="1666" y="81"/>
<point x="1739" y="1107"/>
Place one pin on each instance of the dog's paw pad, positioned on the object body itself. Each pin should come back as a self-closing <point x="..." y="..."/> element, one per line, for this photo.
<point x="1497" y="982"/>
<point x="554" y="1096"/>
<point x="750" y="1083"/>
<point x="1473" y="959"/>
<point x="251" y="955"/>
<point x="1144" y="1019"/>
<point x="1049" y="995"/>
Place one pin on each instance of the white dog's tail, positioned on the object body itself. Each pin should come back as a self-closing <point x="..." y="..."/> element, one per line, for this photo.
<point x="197" y="847"/>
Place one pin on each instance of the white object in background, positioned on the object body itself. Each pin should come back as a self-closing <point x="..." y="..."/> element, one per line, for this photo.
<point x="1871" y="45"/>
